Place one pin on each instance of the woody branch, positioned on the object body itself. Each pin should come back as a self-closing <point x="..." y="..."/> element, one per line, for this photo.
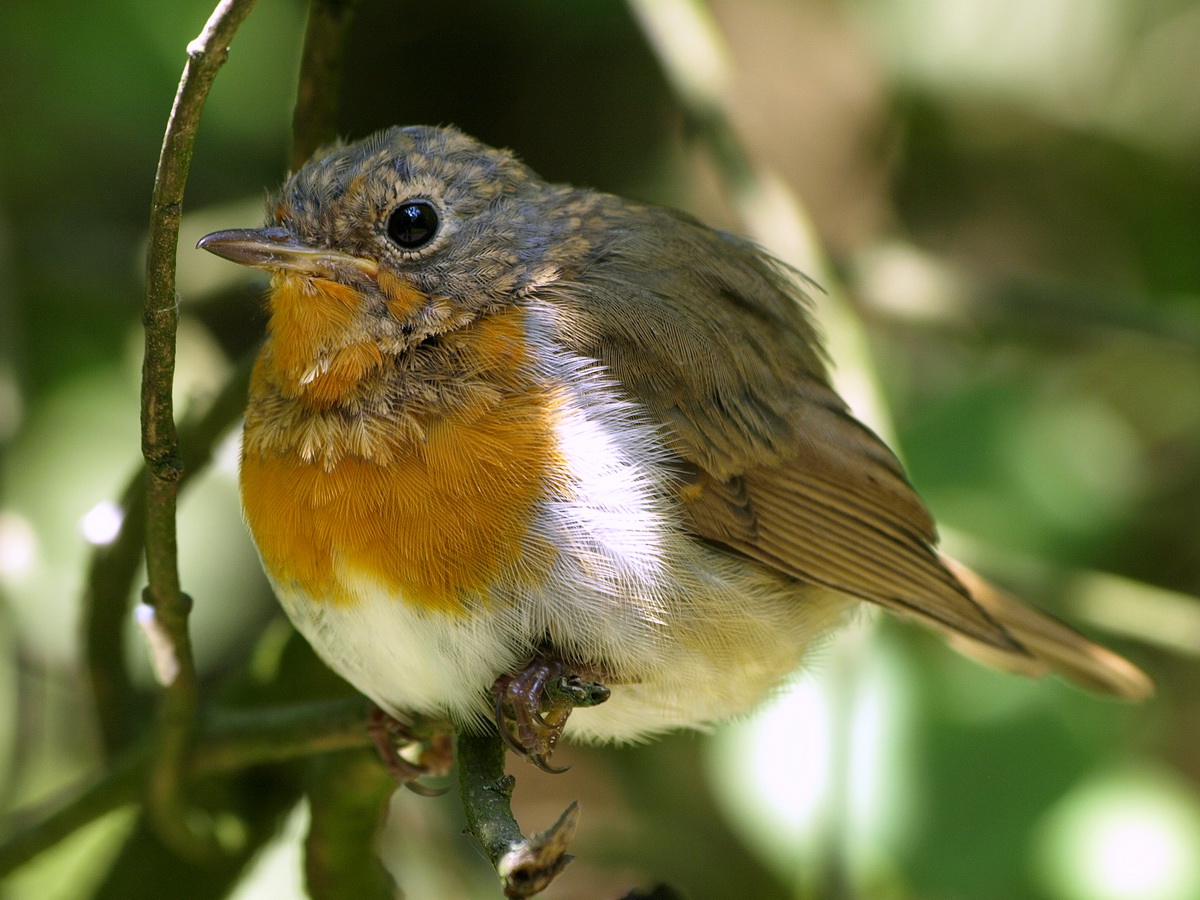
<point x="165" y="612"/>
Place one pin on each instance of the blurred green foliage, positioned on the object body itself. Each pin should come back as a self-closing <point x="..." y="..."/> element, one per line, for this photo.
<point x="1010" y="192"/>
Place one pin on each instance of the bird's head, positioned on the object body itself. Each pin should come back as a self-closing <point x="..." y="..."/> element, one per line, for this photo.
<point x="377" y="246"/>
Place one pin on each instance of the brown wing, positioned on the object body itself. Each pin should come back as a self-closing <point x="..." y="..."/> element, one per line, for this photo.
<point x="717" y="345"/>
<point x="1051" y="643"/>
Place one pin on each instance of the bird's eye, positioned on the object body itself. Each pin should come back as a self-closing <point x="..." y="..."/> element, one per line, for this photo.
<point x="412" y="225"/>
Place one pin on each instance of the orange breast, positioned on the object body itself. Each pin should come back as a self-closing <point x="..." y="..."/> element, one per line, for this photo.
<point x="438" y="520"/>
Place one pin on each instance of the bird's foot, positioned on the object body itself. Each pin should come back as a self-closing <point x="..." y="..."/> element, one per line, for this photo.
<point x="533" y="705"/>
<point x="410" y="752"/>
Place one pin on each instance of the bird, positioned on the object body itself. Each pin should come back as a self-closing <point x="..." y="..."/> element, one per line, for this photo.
<point x="540" y="458"/>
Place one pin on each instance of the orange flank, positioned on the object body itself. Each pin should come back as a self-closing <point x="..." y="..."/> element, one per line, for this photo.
<point x="437" y="519"/>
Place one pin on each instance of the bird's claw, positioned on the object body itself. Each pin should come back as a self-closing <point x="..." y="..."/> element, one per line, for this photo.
<point x="409" y="755"/>
<point x="533" y="705"/>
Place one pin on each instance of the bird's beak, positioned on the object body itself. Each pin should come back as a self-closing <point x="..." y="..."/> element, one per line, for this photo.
<point x="277" y="249"/>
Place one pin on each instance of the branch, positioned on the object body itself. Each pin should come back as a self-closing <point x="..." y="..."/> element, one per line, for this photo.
<point x="114" y="566"/>
<point x="168" y="606"/>
<point x="526" y="866"/>
<point x="314" y="121"/>
<point x="231" y="742"/>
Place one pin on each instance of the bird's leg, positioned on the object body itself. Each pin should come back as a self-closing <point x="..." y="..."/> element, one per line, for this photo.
<point x="410" y="752"/>
<point x="532" y="705"/>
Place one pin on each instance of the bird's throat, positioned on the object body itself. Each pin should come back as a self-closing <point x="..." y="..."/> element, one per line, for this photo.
<point x="319" y="351"/>
<point x="433" y="501"/>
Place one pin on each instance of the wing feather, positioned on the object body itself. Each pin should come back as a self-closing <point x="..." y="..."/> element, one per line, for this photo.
<point x="718" y="347"/>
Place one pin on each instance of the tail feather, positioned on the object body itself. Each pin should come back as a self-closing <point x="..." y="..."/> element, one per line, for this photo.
<point x="1050" y="645"/>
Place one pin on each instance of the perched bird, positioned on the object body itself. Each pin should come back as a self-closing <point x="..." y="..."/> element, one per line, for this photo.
<point x="514" y="448"/>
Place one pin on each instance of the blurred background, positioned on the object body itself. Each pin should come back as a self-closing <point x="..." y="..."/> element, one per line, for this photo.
<point x="1007" y="193"/>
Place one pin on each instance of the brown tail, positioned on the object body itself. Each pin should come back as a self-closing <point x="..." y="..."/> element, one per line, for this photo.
<point x="1051" y="644"/>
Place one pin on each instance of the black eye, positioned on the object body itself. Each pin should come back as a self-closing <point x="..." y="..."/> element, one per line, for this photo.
<point x="412" y="225"/>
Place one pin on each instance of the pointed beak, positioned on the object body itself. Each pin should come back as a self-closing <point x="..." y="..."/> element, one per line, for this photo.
<point x="277" y="249"/>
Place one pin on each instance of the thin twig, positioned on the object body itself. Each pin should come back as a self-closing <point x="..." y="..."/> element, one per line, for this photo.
<point x="231" y="742"/>
<point x="526" y="866"/>
<point x="160" y="445"/>
<point x="114" y="566"/>
<point x="314" y="120"/>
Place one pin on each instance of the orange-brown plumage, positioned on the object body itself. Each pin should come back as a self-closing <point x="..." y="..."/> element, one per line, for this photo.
<point x="310" y="318"/>
<point x="498" y="421"/>
<point x="435" y="516"/>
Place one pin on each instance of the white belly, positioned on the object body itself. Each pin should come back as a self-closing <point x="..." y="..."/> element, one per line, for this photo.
<point x="690" y="635"/>
<point x="712" y="651"/>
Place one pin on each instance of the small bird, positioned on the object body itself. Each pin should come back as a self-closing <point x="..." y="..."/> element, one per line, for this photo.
<point x="515" y="448"/>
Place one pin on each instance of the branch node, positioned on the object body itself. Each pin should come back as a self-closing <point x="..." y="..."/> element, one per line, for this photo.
<point x="504" y="786"/>
<point x="162" y="648"/>
<point x="525" y="865"/>
<point x="529" y="867"/>
<point x="168" y="468"/>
